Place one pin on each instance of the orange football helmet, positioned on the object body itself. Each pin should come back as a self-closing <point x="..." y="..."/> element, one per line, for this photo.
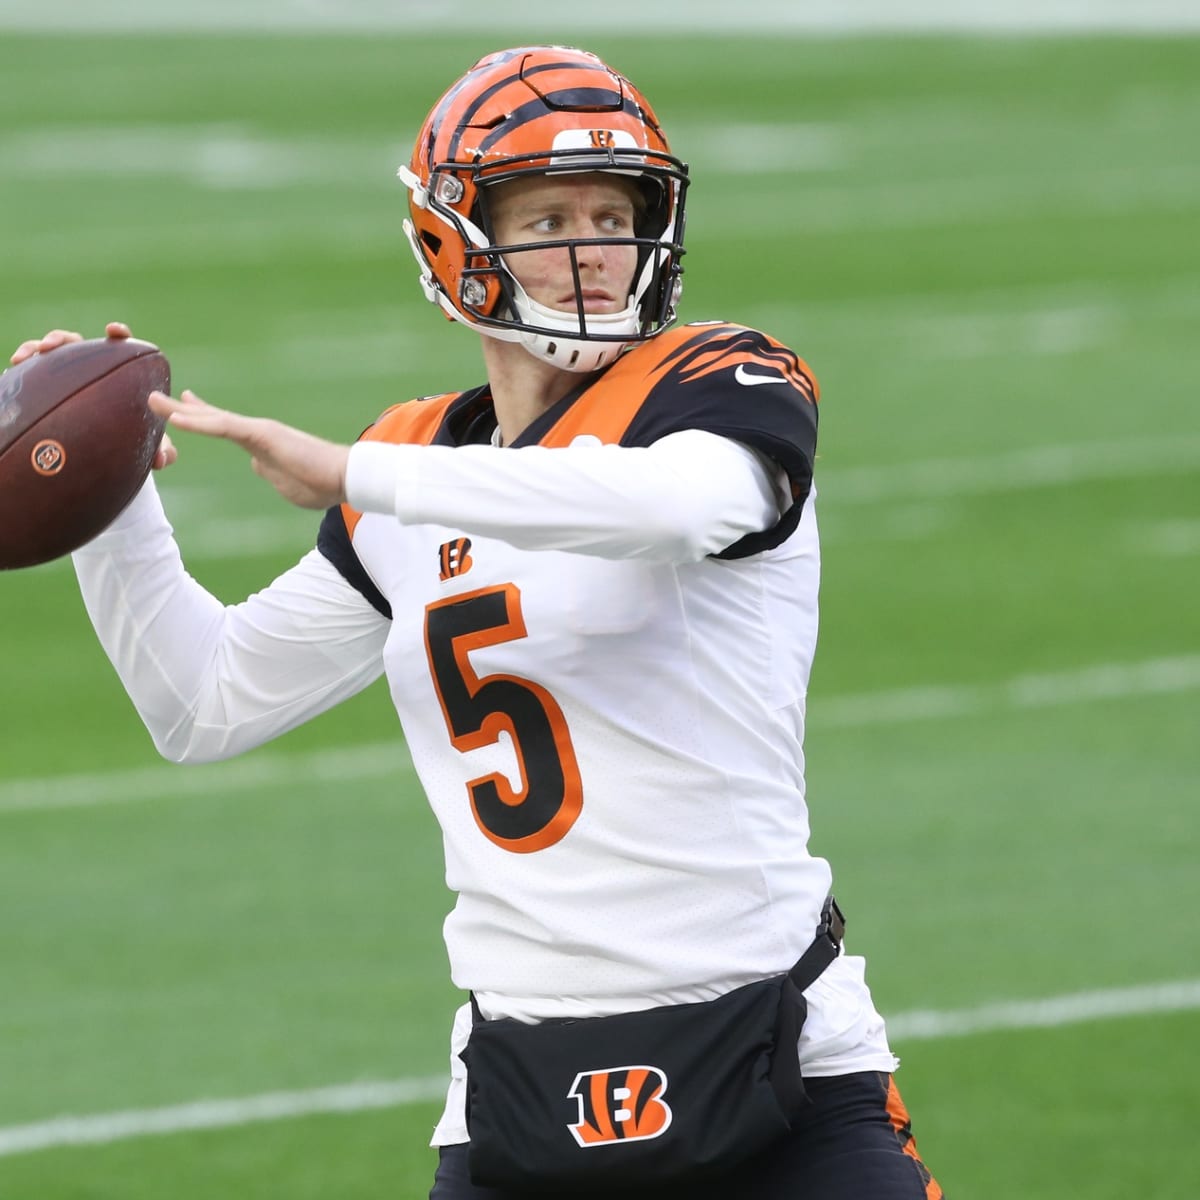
<point x="542" y="110"/>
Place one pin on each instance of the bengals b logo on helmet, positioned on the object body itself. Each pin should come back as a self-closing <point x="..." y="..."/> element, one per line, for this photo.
<point x="620" y="1104"/>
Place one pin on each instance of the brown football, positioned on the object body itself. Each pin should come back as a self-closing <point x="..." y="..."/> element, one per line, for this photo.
<point x="77" y="441"/>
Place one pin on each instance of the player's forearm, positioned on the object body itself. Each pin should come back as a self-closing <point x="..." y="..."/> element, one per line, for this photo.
<point x="690" y="495"/>
<point x="208" y="681"/>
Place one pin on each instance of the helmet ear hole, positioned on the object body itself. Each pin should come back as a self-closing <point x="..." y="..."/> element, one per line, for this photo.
<point x="653" y="211"/>
<point x="432" y="241"/>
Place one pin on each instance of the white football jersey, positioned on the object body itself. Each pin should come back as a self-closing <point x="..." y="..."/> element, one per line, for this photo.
<point x="599" y="658"/>
<point x="613" y="746"/>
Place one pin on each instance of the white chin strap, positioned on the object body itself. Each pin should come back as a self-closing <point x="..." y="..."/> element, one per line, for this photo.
<point x="568" y="352"/>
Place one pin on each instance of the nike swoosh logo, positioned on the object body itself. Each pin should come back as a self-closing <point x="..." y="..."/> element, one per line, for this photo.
<point x="745" y="377"/>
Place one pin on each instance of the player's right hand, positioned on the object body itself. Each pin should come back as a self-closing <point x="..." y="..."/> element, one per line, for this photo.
<point x="305" y="470"/>
<point x="60" y="337"/>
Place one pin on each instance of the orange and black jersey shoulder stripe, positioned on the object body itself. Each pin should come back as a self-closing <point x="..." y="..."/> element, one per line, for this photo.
<point x="714" y="376"/>
<point x="721" y="378"/>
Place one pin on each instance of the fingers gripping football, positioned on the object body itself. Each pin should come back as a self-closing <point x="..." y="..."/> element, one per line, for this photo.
<point x="305" y="470"/>
<point x="61" y="337"/>
<point x="166" y="453"/>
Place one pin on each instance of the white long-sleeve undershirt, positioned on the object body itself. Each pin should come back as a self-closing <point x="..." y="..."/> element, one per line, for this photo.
<point x="210" y="680"/>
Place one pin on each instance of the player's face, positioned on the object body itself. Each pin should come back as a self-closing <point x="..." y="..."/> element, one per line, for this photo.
<point x="555" y="208"/>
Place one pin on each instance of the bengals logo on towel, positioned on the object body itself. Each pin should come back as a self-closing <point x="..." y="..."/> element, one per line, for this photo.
<point x="620" y="1104"/>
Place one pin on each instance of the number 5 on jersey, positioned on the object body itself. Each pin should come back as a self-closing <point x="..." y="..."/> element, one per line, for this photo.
<point x="479" y="709"/>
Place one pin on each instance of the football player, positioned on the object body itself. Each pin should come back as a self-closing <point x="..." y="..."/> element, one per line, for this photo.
<point x="591" y="581"/>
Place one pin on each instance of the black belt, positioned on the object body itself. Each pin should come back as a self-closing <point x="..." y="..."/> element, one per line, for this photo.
<point x="825" y="948"/>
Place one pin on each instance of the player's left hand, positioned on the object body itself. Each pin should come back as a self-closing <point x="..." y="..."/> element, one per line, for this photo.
<point x="305" y="470"/>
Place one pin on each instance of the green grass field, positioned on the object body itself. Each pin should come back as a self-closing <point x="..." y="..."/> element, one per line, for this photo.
<point x="989" y="250"/>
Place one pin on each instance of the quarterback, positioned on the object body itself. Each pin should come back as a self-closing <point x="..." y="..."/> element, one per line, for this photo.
<point x="591" y="582"/>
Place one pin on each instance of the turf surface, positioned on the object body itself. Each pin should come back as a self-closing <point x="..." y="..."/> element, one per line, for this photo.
<point x="988" y="251"/>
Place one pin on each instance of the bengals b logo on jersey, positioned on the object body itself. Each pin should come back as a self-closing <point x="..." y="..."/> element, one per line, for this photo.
<point x="620" y="1104"/>
<point x="454" y="558"/>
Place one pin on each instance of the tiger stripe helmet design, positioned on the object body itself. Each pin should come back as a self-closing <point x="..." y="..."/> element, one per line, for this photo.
<point x="542" y="110"/>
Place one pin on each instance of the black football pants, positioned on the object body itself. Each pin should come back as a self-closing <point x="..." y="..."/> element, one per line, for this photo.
<point x="852" y="1143"/>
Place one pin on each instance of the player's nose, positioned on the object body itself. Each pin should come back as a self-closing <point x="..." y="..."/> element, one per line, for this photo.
<point x="588" y="251"/>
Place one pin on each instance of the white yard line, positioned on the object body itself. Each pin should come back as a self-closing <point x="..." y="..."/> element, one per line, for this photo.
<point x="220" y="157"/>
<point x="1050" y="1012"/>
<point x="230" y="157"/>
<point x="766" y="17"/>
<point x="1173" y="538"/>
<point x="1101" y="681"/>
<point x="1097" y="682"/>
<point x="103" y="1128"/>
<point x="164" y="782"/>
<point x="1012" y="470"/>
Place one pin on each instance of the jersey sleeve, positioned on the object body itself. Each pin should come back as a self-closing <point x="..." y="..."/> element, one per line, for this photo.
<point x="211" y="680"/>
<point x="683" y="498"/>
<point x="743" y="385"/>
<point x="333" y="541"/>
